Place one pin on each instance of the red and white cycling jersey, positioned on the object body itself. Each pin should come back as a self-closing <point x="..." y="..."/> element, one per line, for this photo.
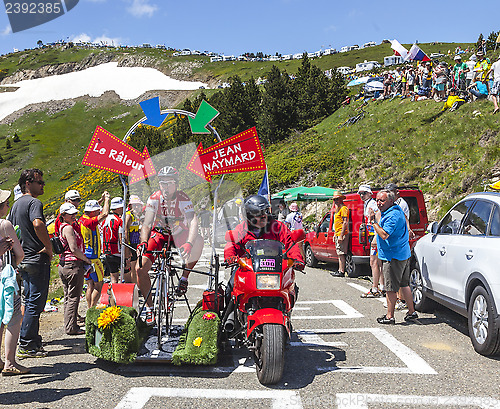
<point x="173" y="214"/>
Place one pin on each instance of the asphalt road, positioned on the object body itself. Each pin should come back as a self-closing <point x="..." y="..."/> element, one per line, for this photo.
<point x="339" y="357"/>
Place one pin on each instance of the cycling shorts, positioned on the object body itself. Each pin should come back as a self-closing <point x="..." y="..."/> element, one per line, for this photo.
<point x="96" y="274"/>
<point x="158" y="240"/>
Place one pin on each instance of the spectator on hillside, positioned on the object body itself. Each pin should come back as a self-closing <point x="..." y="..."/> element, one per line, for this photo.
<point x="427" y="76"/>
<point x="27" y="213"/>
<point x="439" y="78"/>
<point x="469" y="76"/>
<point x="481" y="69"/>
<point x="495" y="69"/>
<point x="460" y="69"/>
<point x="453" y="101"/>
<point x="410" y="81"/>
<point x="478" y="90"/>
<point x="387" y="81"/>
<point x="73" y="197"/>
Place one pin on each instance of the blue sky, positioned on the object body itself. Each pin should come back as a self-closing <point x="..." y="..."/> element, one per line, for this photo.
<point x="270" y="26"/>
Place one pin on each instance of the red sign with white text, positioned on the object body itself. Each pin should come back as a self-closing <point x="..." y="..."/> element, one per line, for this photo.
<point x="240" y="153"/>
<point x="107" y="152"/>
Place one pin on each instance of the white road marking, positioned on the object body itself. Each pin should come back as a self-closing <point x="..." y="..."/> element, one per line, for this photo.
<point x="136" y="398"/>
<point x="364" y="290"/>
<point x="414" y="363"/>
<point x="349" y="312"/>
<point x="361" y="401"/>
<point x="308" y="338"/>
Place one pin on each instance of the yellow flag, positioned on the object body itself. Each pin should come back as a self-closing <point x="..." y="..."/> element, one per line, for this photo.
<point x="498" y="38"/>
<point x="495" y="185"/>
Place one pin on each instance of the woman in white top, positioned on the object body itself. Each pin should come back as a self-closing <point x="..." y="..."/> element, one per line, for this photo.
<point x="10" y="242"/>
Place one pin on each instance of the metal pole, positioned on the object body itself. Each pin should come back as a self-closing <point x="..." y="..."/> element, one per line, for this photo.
<point x="122" y="248"/>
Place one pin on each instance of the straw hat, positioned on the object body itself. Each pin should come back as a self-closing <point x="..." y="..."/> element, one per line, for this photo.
<point x="338" y="195"/>
<point x="4" y="195"/>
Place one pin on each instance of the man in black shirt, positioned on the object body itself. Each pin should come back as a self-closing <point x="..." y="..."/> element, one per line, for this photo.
<point x="27" y="214"/>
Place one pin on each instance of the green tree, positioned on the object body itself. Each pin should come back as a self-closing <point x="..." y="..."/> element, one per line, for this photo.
<point x="479" y="41"/>
<point x="16" y="137"/>
<point x="491" y="41"/>
<point x="8" y="144"/>
<point x="1" y="159"/>
<point x="278" y="111"/>
<point x="316" y="95"/>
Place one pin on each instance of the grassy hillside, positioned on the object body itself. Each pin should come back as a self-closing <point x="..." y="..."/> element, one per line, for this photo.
<point x="405" y="142"/>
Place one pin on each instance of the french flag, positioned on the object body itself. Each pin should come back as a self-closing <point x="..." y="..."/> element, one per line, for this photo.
<point x="416" y="53"/>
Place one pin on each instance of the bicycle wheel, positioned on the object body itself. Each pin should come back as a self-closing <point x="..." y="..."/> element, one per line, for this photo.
<point x="169" y="304"/>
<point x="159" y="300"/>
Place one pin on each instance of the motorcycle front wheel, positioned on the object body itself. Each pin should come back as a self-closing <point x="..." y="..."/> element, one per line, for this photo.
<point x="271" y="354"/>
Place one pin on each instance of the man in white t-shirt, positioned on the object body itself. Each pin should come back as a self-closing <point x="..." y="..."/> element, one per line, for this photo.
<point x="495" y="68"/>
<point x="370" y="206"/>
<point x="294" y="218"/>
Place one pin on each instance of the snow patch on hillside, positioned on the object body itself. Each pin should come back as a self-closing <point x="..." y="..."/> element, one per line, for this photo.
<point x="127" y="82"/>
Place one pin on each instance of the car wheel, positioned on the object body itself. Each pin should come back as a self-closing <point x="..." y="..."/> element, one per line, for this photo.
<point x="421" y="301"/>
<point x="483" y="332"/>
<point x="311" y="261"/>
<point x="352" y="270"/>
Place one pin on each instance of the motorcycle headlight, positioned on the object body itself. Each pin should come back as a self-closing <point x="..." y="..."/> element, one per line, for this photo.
<point x="268" y="281"/>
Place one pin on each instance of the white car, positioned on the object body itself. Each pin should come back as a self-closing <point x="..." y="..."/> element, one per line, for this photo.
<point x="457" y="264"/>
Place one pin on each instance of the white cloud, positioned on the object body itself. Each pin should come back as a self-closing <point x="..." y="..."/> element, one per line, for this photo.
<point x="6" y="31"/>
<point x="104" y="39"/>
<point x="140" y="8"/>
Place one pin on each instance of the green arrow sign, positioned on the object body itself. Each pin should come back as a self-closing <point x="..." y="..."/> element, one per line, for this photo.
<point x="205" y="114"/>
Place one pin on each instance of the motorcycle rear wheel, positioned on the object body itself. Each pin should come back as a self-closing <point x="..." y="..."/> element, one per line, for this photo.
<point x="271" y="354"/>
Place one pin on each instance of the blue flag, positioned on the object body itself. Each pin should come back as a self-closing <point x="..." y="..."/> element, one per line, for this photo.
<point x="264" y="187"/>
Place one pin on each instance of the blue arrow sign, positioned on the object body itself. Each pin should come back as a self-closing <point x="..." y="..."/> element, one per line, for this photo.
<point x="151" y="108"/>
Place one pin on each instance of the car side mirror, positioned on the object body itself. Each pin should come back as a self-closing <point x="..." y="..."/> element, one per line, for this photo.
<point x="433" y="227"/>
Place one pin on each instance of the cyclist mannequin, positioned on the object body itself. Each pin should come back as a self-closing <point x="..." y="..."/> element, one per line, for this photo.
<point x="168" y="211"/>
<point x="260" y="224"/>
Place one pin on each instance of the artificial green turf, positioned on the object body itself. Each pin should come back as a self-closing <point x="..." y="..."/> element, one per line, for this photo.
<point x="119" y="343"/>
<point x="196" y="326"/>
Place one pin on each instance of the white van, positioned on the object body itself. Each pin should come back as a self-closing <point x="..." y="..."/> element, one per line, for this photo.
<point x="367" y="66"/>
<point x="392" y="60"/>
<point x="344" y="70"/>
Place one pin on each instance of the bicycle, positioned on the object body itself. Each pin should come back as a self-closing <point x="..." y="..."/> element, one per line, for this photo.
<point x="164" y="285"/>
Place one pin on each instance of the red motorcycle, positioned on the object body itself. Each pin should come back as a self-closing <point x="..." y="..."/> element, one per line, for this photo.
<point x="258" y="314"/>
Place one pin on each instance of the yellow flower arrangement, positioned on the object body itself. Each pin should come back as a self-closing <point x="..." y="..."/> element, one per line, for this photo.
<point x="108" y="317"/>
<point x="197" y="342"/>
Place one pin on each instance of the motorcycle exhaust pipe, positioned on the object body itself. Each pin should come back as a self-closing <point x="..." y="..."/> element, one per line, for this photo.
<point x="229" y="324"/>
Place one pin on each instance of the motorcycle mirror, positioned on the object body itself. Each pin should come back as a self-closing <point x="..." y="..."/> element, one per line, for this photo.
<point x="298" y="235"/>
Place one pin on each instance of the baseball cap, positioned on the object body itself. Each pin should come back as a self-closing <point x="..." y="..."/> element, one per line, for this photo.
<point x="92" y="205"/>
<point x="365" y="188"/>
<point x="4" y="195"/>
<point x="391" y="186"/>
<point x="116" y="203"/>
<point x="72" y="195"/>
<point x="68" y="208"/>
<point x="294" y="207"/>
<point x="17" y="192"/>
<point x="457" y="57"/>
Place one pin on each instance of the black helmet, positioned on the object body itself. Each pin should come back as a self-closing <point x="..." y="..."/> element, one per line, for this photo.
<point x="255" y="205"/>
<point x="169" y="172"/>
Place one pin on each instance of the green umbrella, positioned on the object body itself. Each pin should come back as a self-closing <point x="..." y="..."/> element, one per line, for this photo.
<point x="316" y="193"/>
<point x="287" y="192"/>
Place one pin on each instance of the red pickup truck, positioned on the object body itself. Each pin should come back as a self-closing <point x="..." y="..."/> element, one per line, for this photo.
<point x="319" y="244"/>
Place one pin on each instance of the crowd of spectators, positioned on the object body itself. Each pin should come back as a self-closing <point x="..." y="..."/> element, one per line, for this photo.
<point x="454" y="84"/>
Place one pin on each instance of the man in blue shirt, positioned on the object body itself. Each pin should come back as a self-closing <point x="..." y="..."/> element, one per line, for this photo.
<point x="394" y="251"/>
